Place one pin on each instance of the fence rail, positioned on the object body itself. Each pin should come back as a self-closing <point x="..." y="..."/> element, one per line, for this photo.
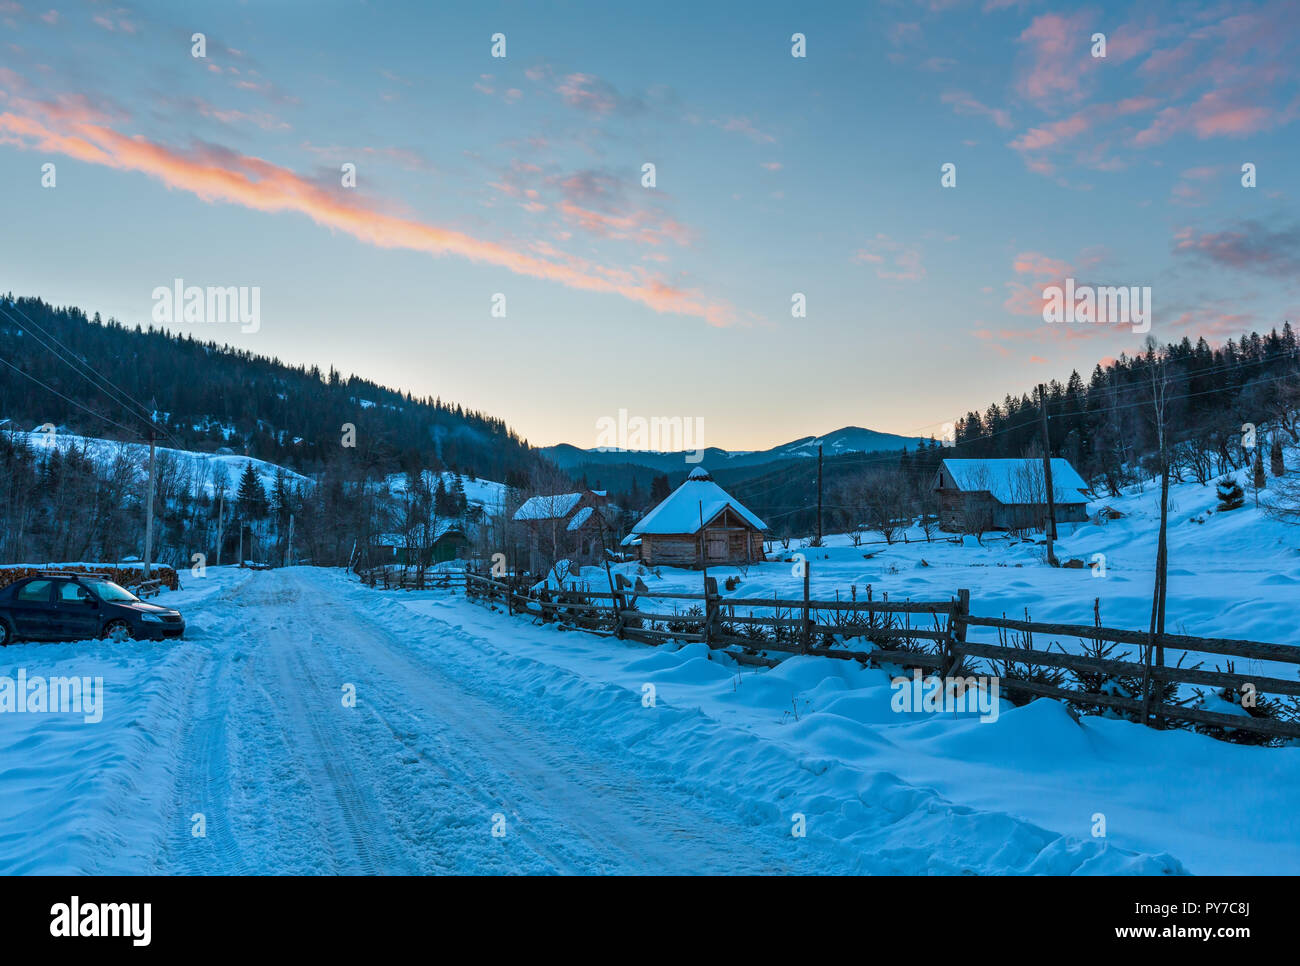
<point x="411" y="578"/>
<point x="929" y="634"/>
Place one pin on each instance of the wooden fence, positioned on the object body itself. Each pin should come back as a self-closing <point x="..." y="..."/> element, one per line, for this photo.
<point x="411" y="578"/>
<point x="934" y="635"/>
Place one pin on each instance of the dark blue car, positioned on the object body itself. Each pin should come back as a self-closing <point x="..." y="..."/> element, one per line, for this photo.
<point x="76" y="607"/>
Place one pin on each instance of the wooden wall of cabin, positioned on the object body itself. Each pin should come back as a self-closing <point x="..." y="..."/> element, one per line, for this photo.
<point x="683" y="550"/>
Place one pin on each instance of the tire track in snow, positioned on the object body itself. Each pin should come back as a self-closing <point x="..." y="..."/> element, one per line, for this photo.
<point x="303" y="783"/>
<point x="204" y="787"/>
<point x="597" y="812"/>
<point x="408" y="781"/>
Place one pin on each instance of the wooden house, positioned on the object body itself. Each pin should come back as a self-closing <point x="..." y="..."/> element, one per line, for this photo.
<point x="448" y="541"/>
<point x="698" y="524"/>
<point x="564" y="526"/>
<point x="1006" y="494"/>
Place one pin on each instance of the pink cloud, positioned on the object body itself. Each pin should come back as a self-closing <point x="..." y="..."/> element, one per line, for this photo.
<point x="1214" y="114"/>
<point x="636" y="226"/>
<point x="1049" y="135"/>
<point x="1038" y="265"/>
<point x="1058" y="48"/>
<point x="1027" y="298"/>
<point x="1249" y="247"/>
<point x="1055" y="135"/>
<point x="593" y="95"/>
<point x="219" y="175"/>
<point x="964" y="103"/>
<point x="743" y="125"/>
<point x="893" y="260"/>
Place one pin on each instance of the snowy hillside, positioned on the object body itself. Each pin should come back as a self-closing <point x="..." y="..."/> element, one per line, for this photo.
<point x="485" y="493"/>
<point x="203" y="467"/>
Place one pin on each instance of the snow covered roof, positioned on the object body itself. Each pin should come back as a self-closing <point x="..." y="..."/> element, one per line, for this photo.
<point x="548" y="507"/>
<point x="1017" y="481"/>
<point x="581" y="517"/>
<point x="681" y="510"/>
<point x="441" y="528"/>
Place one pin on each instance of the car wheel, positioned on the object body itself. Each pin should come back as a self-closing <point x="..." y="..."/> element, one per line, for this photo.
<point x="117" y="631"/>
<point x="6" y="635"/>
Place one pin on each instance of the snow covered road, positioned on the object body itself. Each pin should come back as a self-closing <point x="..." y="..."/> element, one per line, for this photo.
<point x="466" y="721"/>
<point x="408" y="780"/>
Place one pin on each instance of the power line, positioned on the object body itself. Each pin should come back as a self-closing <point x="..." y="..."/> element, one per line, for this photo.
<point x="122" y="398"/>
<point x="78" y="361"/>
<point x="67" y="400"/>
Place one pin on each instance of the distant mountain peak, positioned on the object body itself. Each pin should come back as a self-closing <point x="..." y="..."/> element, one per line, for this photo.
<point x="847" y="439"/>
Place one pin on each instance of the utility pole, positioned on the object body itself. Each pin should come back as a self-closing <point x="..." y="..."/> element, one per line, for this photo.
<point x="221" y="526"/>
<point x="704" y="548"/>
<point x="1047" y="476"/>
<point x="819" y="495"/>
<point x="148" y="512"/>
<point x="288" y="550"/>
<point x="241" y="541"/>
<point x="1159" y="393"/>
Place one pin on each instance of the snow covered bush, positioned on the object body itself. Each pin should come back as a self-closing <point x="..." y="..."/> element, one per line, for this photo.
<point x="1230" y="494"/>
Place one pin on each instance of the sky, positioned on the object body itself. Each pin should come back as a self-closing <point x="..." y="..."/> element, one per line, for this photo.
<point x="517" y="183"/>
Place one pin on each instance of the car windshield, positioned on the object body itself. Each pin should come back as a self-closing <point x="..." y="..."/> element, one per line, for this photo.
<point x="107" y="590"/>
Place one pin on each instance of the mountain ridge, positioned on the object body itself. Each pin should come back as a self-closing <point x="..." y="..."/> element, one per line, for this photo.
<point x="847" y="439"/>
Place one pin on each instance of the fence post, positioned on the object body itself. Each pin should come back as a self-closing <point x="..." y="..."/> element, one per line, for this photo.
<point x="804" y="627"/>
<point x="620" y="604"/>
<point x="1157" y="682"/>
<point x="710" y="608"/>
<point x="957" y="630"/>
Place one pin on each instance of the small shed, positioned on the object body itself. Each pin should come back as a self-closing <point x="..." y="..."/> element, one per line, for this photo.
<point x="698" y="524"/>
<point x="1006" y="494"/>
<point x="447" y="541"/>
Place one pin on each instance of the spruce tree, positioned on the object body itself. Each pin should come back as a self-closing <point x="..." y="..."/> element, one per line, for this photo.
<point x="1230" y="494"/>
<point x="252" y="498"/>
<point x="1258" y="479"/>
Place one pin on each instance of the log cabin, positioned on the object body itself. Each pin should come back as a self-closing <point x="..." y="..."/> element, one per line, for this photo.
<point x="698" y="524"/>
<point x="1006" y="494"/>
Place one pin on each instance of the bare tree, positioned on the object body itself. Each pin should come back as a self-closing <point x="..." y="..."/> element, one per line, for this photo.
<point x="976" y="507"/>
<point x="891" y="504"/>
<point x="1284" y="504"/>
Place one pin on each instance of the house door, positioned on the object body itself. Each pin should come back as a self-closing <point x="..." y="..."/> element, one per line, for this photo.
<point x="717" y="546"/>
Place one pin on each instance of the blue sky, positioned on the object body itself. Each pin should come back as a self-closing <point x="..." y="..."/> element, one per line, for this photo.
<point x="775" y="175"/>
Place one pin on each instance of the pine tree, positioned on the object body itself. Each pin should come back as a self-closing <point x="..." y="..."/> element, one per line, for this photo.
<point x="1276" y="466"/>
<point x="1230" y="494"/>
<point x="1258" y="479"/>
<point x="458" y="501"/>
<point x="280" y="499"/>
<point x="251" y="496"/>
